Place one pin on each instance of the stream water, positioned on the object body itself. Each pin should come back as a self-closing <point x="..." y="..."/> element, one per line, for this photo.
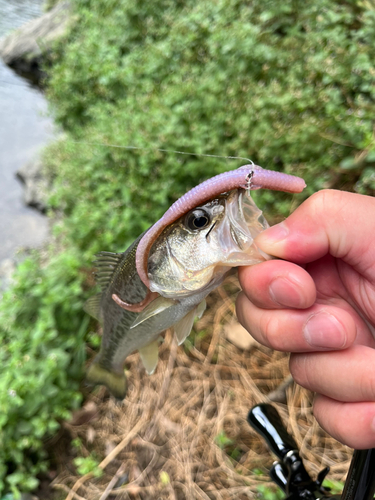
<point x="24" y="129"/>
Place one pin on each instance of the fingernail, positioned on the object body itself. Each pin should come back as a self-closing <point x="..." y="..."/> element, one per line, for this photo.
<point x="273" y="235"/>
<point x="324" y="330"/>
<point x="286" y="293"/>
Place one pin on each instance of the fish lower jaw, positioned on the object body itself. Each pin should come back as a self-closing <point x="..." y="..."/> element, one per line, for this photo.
<point x="183" y="292"/>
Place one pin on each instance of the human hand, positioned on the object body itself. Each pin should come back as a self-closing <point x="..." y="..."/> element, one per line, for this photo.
<point x="319" y="304"/>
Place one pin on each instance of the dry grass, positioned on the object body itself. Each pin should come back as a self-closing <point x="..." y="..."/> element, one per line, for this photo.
<point x="163" y="438"/>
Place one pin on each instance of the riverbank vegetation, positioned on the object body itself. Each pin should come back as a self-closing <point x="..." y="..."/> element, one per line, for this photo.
<point x="288" y="84"/>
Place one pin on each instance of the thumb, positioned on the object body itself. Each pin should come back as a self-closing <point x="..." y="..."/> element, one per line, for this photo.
<point x="335" y="222"/>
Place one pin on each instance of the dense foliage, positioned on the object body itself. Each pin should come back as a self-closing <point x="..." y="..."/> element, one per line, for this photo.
<point x="42" y="351"/>
<point x="288" y="84"/>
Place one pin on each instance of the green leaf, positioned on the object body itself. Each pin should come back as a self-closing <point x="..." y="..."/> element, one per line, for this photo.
<point x="348" y="163"/>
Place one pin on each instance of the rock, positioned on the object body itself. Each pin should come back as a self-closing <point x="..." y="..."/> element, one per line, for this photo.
<point x="279" y="394"/>
<point x="37" y="185"/>
<point x="237" y="335"/>
<point x="7" y="268"/>
<point x="24" y="49"/>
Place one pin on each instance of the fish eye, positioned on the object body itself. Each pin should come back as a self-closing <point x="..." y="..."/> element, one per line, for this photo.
<point x="197" y="219"/>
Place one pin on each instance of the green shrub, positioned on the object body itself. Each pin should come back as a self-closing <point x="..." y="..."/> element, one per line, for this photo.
<point x="42" y="333"/>
<point x="289" y="84"/>
<point x="85" y="465"/>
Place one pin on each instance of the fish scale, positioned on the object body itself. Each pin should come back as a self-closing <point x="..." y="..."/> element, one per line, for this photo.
<point x="186" y="260"/>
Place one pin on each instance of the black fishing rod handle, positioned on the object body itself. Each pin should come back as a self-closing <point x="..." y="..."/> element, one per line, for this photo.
<point x="267" y="422"/>
<point x="360" y="482"/>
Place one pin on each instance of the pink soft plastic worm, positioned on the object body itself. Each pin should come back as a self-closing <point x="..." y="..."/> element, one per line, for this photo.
<point x="246" y="177"/>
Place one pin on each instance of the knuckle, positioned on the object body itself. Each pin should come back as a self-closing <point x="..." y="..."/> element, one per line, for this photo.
<point x="272" y="331"/>
<point x="318" y="202"/>
<point x="322" y="201"/>
<point x="240" y="309"/>
<point x="367" y="387"/>
<point x="297" y="366"/>
<point x="317" y="409"/>
<point x="325" y="411"/>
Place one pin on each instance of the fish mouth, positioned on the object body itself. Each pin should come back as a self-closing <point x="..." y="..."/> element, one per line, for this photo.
<point x="238" y="230"/>
<point x="228" y="243"/>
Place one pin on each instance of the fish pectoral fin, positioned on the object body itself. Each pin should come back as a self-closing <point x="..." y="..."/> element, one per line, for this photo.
<point x="115" y="382"/>
<point x="155" y="307"/>
<point x="92" y="306"/>
<point x="150" y="356"/>
<point x="201" y="308"/>
<point x="183" y="328"/>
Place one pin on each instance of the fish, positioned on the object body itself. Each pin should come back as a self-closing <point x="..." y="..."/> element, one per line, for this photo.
<point x="163" y="278"/>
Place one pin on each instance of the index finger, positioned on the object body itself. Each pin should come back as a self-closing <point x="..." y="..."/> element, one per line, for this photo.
<point x="334" y="222"/>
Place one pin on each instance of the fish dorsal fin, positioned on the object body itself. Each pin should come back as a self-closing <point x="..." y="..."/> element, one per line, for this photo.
<point x="157" y="306"/>
<point x="150" y="356"/>
<point x="183" y="328"/>
<point x="92" y="306"/>
<point x="106" y="263"/>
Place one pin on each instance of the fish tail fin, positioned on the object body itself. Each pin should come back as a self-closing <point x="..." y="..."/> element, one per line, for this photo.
<point x="115" y="382"/>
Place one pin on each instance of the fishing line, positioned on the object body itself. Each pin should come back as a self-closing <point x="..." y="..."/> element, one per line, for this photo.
<point x="163" y="150"/>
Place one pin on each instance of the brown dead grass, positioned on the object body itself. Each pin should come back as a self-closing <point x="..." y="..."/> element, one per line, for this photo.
<point x="163" y="437"/>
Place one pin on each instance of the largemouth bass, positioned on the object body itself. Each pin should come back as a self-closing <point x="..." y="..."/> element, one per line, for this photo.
<point x="187" y="254"/>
